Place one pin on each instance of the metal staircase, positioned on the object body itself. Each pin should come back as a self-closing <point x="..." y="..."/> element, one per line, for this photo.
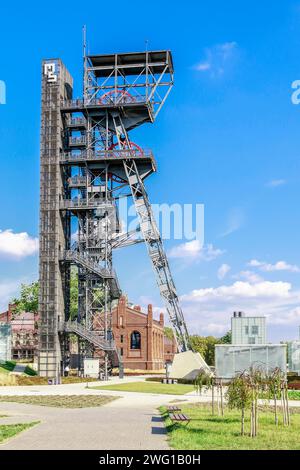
<point x="95" y="339"/>
<point x="88" y="335"/>
<point x="86" y="262"/>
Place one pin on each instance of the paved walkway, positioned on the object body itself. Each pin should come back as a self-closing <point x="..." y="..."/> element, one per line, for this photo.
<point x="130" y="422"/>
<point x="108" y="427"/>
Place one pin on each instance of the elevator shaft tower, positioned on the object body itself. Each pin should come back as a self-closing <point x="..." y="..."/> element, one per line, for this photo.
<point x="88" y="163"/>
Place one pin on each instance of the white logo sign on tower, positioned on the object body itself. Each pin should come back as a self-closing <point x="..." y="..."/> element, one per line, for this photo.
<point x="49" y="71"/>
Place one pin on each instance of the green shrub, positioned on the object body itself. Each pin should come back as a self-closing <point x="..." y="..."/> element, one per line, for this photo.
<point x="8" y="365"/>
<point x="29" y="371"/>
<point x="186" y="381"/>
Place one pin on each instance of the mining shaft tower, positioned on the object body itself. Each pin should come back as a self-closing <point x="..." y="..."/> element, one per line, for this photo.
<point x="88" y="163"/>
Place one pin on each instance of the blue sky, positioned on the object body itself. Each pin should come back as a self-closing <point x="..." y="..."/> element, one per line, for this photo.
<point x="227" y="138"/>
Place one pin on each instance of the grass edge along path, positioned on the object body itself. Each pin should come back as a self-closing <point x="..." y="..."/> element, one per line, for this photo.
<point x="7" y="431"/>
<point x="60" y="401"/>
<point x="207" y="432"/>
<point x="148" y="387"/>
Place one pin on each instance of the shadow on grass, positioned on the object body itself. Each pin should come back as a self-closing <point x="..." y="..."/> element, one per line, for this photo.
<point x="210" y="419"/>
<point x="218" y="419"/>
<point x="189" y="429"/>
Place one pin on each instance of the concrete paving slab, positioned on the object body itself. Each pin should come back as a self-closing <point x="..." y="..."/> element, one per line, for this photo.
<point x="130" y="422"/>
<point x="101" y="428"/>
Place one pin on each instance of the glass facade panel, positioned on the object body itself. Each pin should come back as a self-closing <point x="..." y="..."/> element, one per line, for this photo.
<point x="232" y="360"/>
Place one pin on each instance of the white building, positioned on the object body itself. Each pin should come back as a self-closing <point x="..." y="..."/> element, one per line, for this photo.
<point x="5" y="342"/>
<point x="294" y="356"/>
<point x="248" y="348"/>
<point x="248" y="330"/>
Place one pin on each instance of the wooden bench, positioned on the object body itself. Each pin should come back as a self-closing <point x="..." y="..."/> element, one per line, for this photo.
<point x="180" y="418"/>
<point x="173" y="409"/>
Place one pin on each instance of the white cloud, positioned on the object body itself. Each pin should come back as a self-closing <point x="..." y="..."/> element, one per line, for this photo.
<point x="217" y="58"/>
<point x="194" y="251"/>
<point x="276" y="183"/>
<point x="223" y="270"/>
<point x="249" y="276"/>
<point x="242" y="289"/>
<point x="74" y="236"/>
<point x="17" y="245"/>
<point x="203" y="66"/>
<point x="235" y="221"/>
<point x="289" y="318"/>
<point x="278" y="266"/>
<point x="214" y="329"/>
<point x="208" y="310"/>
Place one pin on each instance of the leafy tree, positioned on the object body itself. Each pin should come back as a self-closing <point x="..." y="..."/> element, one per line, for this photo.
<point x="205" y="345"/>
<point x="202" y="380"/>
<point x="168" y="332"/>
<point x="73" y="294"/>
<point x="199" y="344"/>
<point x="28" y="300"/>
<point x="277" y="389"/>
<point x="211" y="342"/>
<point x="239" y="395"/>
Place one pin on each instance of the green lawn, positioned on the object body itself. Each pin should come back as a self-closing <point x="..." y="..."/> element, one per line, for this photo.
<point x="10" y="430"/>
<point x="207" y="432"/>
<point x="149" y="387"/>
<point x="60" y="401"/>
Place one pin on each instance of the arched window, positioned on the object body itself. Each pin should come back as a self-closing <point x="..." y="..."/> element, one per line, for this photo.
<point x="135" y="340"/>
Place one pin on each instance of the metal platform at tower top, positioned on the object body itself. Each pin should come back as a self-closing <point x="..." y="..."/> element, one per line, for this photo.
<point x="133" y="63"/>
<point x="139" y="81"/>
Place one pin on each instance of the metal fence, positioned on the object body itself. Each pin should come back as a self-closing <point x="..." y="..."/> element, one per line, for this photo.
<point x="231" y="360"/>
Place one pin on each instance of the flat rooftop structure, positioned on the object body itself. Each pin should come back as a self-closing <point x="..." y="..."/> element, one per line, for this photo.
<point x="132" y="63"/>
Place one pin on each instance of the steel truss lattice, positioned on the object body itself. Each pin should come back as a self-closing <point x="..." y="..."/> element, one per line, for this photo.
<point x="96" y="165"/>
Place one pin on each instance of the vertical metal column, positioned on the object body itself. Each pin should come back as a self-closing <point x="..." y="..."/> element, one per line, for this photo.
<point x="56" y="85"/>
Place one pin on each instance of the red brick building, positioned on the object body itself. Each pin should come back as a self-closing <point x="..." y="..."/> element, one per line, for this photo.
<point x="139" y="337"/>
<point x="170" y="348"/>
